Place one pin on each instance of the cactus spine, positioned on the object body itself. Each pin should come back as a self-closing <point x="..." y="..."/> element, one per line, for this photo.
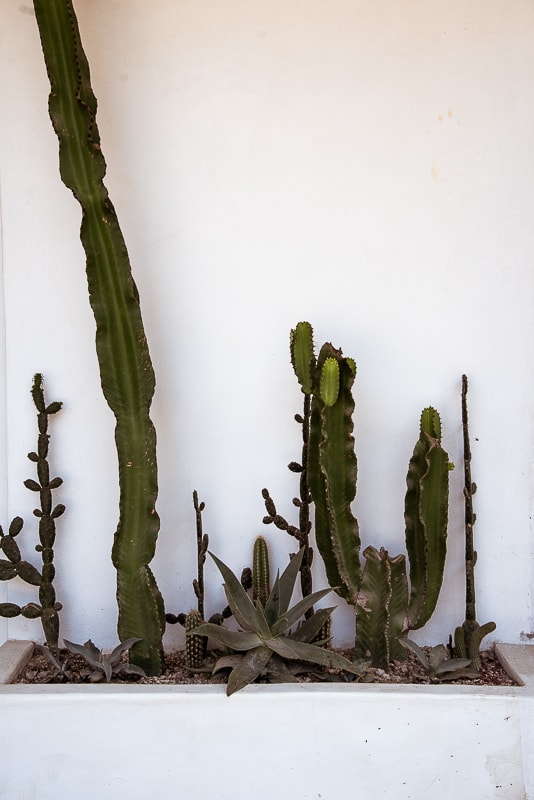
<point x="126" y="371"/>
<point x="48" y="608"/>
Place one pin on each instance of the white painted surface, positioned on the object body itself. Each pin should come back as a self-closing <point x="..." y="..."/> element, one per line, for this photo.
<point x="367" y="166"/>
<point x="310" y="742"/>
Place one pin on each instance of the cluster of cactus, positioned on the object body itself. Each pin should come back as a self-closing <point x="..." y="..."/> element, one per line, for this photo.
<point x="14" y="565"/>
<point x="468" y="636"/>
<point x="126" y="372"/>
<point x="256" y="579"/>
<point x="386" y="605"/>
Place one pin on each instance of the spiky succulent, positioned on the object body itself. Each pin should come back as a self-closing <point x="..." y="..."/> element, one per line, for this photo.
<point x="266" y="629"/>
<point x="437" y="663"/>
<point x="104" y="666"/>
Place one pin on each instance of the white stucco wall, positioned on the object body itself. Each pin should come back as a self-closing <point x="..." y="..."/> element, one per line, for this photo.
<point x="365" y="165"/>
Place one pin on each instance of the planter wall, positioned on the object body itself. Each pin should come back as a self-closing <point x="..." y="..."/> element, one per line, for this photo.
<point x="305" y="742"/>
<point x="311" y="742"/>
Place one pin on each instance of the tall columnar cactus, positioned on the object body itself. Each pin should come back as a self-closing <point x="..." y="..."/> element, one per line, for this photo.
<point x="332" y="471"/>
<point x="126" y="371"/>
<point x="426" y="515"/>
<point x="15" y="566"/>
<point x="468" y="636"/>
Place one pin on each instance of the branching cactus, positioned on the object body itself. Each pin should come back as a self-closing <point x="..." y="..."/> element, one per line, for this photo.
<point x="303" y="361"/>
<point x="426" y="515"/>
<point x="126" y="371"/>
<point x="48" y="608"/>
<point x="386" y="610"/>
<point x="468" y="637"/>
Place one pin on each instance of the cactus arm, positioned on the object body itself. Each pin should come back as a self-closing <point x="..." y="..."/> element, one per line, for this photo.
<point x="125" y="368"/>
<point x="382" y="607"/>
<point x="332" y="473"/>
<point x="426" y="514"/>
<point x="302" y="355"/>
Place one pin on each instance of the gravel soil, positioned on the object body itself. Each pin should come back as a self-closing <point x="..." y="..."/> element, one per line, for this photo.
<point x="40" y="670"/>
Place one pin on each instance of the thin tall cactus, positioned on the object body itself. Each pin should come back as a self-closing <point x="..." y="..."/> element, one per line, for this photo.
<point x="126" y="371"/>
<point x="469" y="635"/>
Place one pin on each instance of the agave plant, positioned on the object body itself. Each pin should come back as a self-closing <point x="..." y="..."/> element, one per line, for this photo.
<point x="266" y="628"/>
<point x="437" y="663"/>
<point x="104" y="666"/>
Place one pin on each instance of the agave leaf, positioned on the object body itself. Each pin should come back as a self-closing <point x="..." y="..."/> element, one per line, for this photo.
<point x="287" y="581"/>
<point x="227" y="662"/>
<point x="414" y="648"/>
<point x="301" y="651"/>
<point x="107" y="669"/>
<point x="130" y="669"/>
<point x="265" y="631"/>
<point x="453" y="665"/>
<point x="311" y="627"/>
<point x="250" y="667"/>
<point x="237" y="640"/>
<point x="272" y="606"/>
<point x="116" y="653"/>
<point x="437" y="656"/>
<point x="242" y="606"/>
<point x="88" y="651"/>
<point x="300" y="608"/>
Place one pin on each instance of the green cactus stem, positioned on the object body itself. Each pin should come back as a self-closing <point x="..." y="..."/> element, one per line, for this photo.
<point x="195" y="644"/>
<point x="261" y="586"/>
<point x="332" y="473"/>
<point x="381" y="609"/>
<point x="468" y="637"/>
<point x="426" y="515"/>
<point x="126" y="371"/>
<point x="303" y="361"/>
<point x="48" y="608"/>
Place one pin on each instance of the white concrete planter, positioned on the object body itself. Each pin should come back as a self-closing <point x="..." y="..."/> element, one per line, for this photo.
<point x="307" y="742"/>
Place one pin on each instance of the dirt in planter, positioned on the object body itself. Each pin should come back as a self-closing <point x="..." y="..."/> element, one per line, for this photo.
<point x="410" y="671"/>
